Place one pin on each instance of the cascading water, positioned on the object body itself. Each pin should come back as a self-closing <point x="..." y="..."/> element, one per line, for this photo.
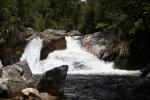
<point x="79" y="61"/>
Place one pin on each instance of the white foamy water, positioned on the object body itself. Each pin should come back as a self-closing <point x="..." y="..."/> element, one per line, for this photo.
<point x="78" y="60"/>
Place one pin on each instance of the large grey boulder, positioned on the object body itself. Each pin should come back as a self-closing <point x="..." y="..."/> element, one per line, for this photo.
<point x="13" y="80"/>
<point x="53" y="81"/>
<point x="24" y="70"/>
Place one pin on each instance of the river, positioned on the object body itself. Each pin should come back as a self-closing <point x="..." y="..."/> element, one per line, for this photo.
<point x="89" y="78"/>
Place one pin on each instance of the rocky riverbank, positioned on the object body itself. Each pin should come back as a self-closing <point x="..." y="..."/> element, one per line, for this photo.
<point x="17" y="82"/>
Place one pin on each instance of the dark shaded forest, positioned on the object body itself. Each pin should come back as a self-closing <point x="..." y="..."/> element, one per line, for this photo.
<point x="128" y="20"/>
<point x="128" y="16"/>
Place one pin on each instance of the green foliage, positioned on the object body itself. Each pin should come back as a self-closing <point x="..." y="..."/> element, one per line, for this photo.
<point x="101" y="26"/>
<point x="41" y="14"/>
<point x="129" y="16"/>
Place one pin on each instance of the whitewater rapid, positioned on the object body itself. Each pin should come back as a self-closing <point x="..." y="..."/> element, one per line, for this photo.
<point x="78" y="60"/>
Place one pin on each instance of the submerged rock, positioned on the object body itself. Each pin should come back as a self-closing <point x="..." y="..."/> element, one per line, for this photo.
<point x="53" y="81"/>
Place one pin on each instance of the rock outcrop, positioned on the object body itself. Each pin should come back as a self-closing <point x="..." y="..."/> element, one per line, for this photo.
<point x="53" y="81"/>
<point x="51" y="43"/>
<point x="13" y="80"/>
<point x="17" y="79"/>
<point x="95" y="44"/>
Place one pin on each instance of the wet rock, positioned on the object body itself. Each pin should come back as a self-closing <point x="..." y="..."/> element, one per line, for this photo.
<point x="13" y="80"/>
<point x="51" y="43"/>
<point x="30" y="92"/>
<point x="53" y="81"/>
<point x="79" y="65"/>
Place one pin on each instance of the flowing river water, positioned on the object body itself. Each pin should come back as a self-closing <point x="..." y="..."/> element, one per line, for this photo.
<point x="78" y="60"/>
<point x="88" y="77"/>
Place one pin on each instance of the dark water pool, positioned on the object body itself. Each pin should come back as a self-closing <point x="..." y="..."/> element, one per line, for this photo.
<point x="101" y="87"/>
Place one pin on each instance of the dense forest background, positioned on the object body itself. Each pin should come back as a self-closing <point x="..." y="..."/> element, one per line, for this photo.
<point x="129" y="16"/>
<point x="128" y="20"/>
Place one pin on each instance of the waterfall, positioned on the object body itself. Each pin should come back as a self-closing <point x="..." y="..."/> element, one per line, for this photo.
<point x="78" y="60"/>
